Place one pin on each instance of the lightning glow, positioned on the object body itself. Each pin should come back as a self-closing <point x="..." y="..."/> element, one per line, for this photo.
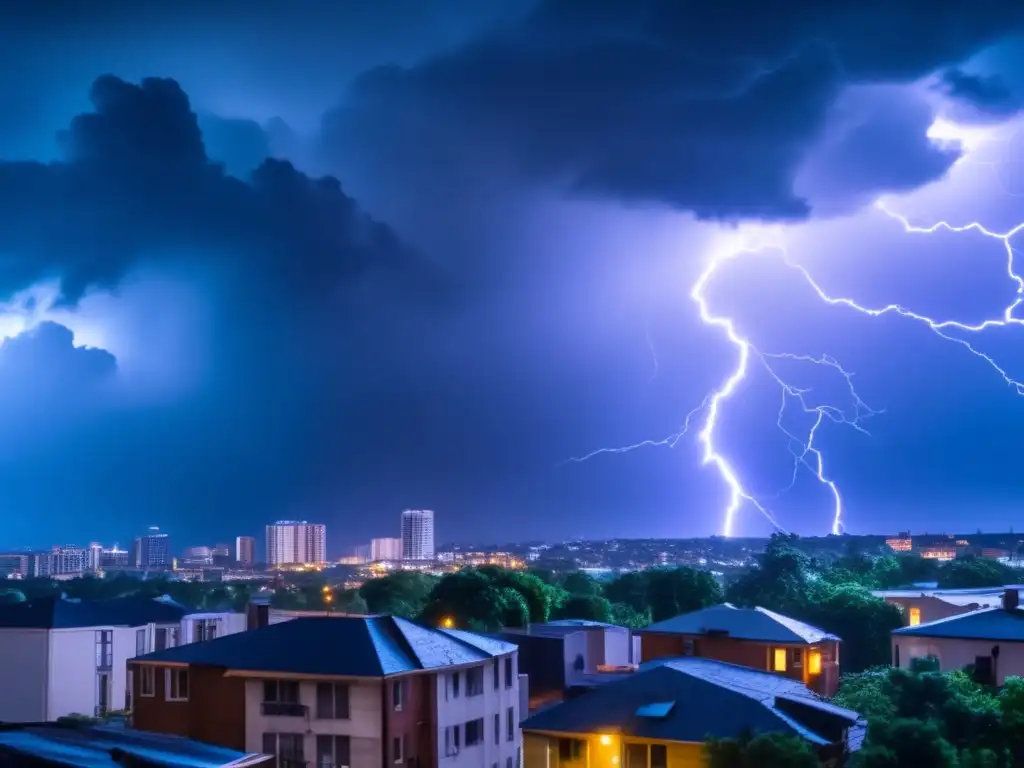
<point x="805" y="450"/>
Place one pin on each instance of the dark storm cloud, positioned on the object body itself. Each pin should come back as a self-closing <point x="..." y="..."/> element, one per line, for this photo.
<point x="138" y="181"/>
<point x="708" y="107"/>
<point x="988" y="93"/>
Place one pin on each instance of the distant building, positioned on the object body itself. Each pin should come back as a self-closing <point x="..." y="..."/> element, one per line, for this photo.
<point x="344" y="691"/>
<point x="418" y="534"/>
<point x="922" y="606"/>
<point x="67" y="559"/>
<point x="901" y="543"/>
<point x="153" y="550"/>
<point x="221" y="554"/>
<point x="296" y="543"/>
<point x="114" y="558"/>
<point x="938" y="552"/>
<point x="245" y="550"/>
<point x="385" y="549"/>
<point x="93" y="556"/>
<point x="198" y="556"/>
<point x="752" y="637"/>
<point x="14" y="566"/>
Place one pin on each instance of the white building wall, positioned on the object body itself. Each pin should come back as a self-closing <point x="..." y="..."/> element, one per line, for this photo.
<point x="24" y="666"/>
<point x="618" y="647"/>
<point x="453" y="711"/>
<point x="228" y="623"/>
<point x="364" y="725"/>
<point x="956" y="654"/>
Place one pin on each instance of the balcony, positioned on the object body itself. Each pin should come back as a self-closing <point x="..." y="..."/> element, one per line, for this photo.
<point x="283" y="709"/>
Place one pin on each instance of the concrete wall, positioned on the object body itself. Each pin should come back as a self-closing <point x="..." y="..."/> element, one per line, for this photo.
<point x="364" y="726"/>
<point x="227" y="624"/>
<point x="956" y="654"/>
<point x="453" y="711"/>
<point x="24" y="671"/>
<point x="73" y="681"/>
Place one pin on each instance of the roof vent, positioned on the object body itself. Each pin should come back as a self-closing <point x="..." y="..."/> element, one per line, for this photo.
<point x="1011" y="599"/>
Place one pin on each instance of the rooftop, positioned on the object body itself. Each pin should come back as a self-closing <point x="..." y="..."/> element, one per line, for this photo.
<point x="986" y="597"/>
<point x="983" y="624"/>
<point x="758" y="624"/>
<point x="61" y="613"/>
<point x="346" y="646"/>
<point x="106" y="746"/>
<point x="691" y="699"/>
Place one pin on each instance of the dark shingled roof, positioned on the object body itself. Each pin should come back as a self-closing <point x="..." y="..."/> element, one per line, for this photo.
<point x="984" y="624"/>
<point x="60" y="613"/>
<point x="709" y="699"/>
<point x="84" y="746"/>
<point x="348" y="646"/>
<point x="743" y="624"/>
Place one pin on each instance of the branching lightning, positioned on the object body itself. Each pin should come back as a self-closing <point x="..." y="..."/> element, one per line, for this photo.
<point x="805" y="450"/>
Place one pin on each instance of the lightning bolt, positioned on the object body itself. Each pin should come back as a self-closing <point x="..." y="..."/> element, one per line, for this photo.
<point x="805" y="451"/>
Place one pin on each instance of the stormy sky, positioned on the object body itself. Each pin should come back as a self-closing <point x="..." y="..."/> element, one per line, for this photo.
<point x="327" y="261"/>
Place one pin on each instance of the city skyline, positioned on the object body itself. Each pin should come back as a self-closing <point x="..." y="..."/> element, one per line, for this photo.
<point x="550" y="263"/>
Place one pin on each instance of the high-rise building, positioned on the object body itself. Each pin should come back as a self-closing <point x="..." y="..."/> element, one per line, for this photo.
<point x="385" y="549"/>
<point x="245" y="550"/>
<point x="114" y="558"/>
<point x="64" y="560"/>
<point x="198" y="556"/>
<point x="93" y="556"/>
<point x="291" y="542"/>
<point x="418" y="534"/>
<point x="153" y="550"/>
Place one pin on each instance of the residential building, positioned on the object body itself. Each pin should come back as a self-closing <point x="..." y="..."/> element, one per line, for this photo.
<point x="989" y="641"/>
<point x="114" y="558"/>
<point x="418" y="534"/>
<point x="153" y="550"/>
<point x="67" y="560"/>
<point x="362" y="692"/>
<point x="59" y="657"/>
<point x="245" y="550"/>
<point x="15" y="566"/>
<point x="385" y="550"/>
<point x="752" y="637"/>
<point x="82" y="744"/>
<point x="660" y="716"/>
<point x="901" y="543"/>
<point x="560" y="655"/>
<point x="296" y="543"/>
<point x="921" y="606"/>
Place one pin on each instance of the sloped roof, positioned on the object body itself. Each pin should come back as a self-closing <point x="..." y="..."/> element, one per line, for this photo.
<point x="743" y="624"/>
<point x="710" y="699"/>
<point x="983" y="624"/>
<point x="60" y="613"/>
<point x="347" y="646"/>
<point x="83" y="746"/>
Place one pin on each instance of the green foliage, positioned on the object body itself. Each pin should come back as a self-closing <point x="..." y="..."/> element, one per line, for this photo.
<point x="971" y="571"/>
<point x="581" y="583"/>
<point x="626" y="616"/>
<point x="588" y="607"/>
<point x="482" y="600"/>
<point x="402" y="593"/>
<point x="903" y="743"/>
<point x="770" y="750"/>
<point x="664" y="593"/>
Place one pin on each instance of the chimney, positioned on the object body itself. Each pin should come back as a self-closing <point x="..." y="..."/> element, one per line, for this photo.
<point x="1011" y="599"/>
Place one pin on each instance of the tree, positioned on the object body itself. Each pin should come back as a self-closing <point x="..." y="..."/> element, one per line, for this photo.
<point x="402" y="593"/>
<point x="587" y="607"/>
<point x="472" y="599"/>
<point x="629" y="589"/>
<point x="626" y="616"/>
<point x="580" y="583"/>
<point x="863" y="621"/>
<point x="680" y="590"/>
<point x="973" y="571"/>
<point x="539" y="596"/>
<point x="905" y="743"/>
<point x="768" y="750"/>
<point x="780" y="581"/>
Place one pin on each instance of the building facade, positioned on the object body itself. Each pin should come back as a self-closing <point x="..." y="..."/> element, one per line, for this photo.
<point x="341" y="691"/>
<point x="418" y="534"/>
<point x="153" y="550"/>
<point x="385" y="550"/>
<point x="291" y="542"/>
<point x="245" y="550"/>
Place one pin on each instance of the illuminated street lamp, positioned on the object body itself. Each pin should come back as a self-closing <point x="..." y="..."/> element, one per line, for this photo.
<point x="448" y="622"/>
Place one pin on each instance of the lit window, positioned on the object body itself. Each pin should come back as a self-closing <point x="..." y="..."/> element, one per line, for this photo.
<point x="814" y="663"/>
<point x="915" y="616"/>
<point x="779" y="660"/>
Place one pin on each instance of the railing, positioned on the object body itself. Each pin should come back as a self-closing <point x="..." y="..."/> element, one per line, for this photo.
<point x="283" y="709"/>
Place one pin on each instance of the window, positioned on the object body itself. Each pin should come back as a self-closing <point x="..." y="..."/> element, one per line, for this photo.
<point x="814" y="662"/>
<point x="333" y="752"/>
<point x="147" y="681"/>
<point x="204" y="629"/>
<point x="779" y="660"/>
<point x="475" y="681"/>
<point x="140" y="641"/>
<point x="397" y="697"/>
<point x="451" y="740"/>
<point x="497" y="675"/>
<point x="102" y="693"/>
<point x="176" y="684"/>
<point x="508" y="762"/>
<point x="128" y="691"/>
<point x="510" y="724"/>
<point x="508" y="671"/>
<point x="497" y="728"/>
<point x="915" y="616"/>
<point x="796" y="657"/>
<point x="397" y="745"/>
<point x="455" y="685"/>
<point x="569" y="749"/>
<point x="646" y="756"/>
<point x="281" y="698"/>
<point x="287" y="746"/>
<point x="474" y="732"/>
<point x="161" y="638"/>
<point x="688" y="647"/>
<point x="659" y="756"/>
<point x="332" y="701"/>
<point x="104" y="648"/>
<point x="896" y="657"/>
<point x="984" y="670"/>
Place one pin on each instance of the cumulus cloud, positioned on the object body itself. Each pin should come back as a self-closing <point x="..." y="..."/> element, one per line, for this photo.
<point x="707" y="107"/>
<point x="138" y="182"/>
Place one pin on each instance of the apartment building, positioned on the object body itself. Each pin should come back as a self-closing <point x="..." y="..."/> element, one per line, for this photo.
<point x="340" y="691"/>
<point x="290" y="542"/>
<point x="61" y="657"/>
<point x="753" y="637"/>
<point x="661" y="715"/>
